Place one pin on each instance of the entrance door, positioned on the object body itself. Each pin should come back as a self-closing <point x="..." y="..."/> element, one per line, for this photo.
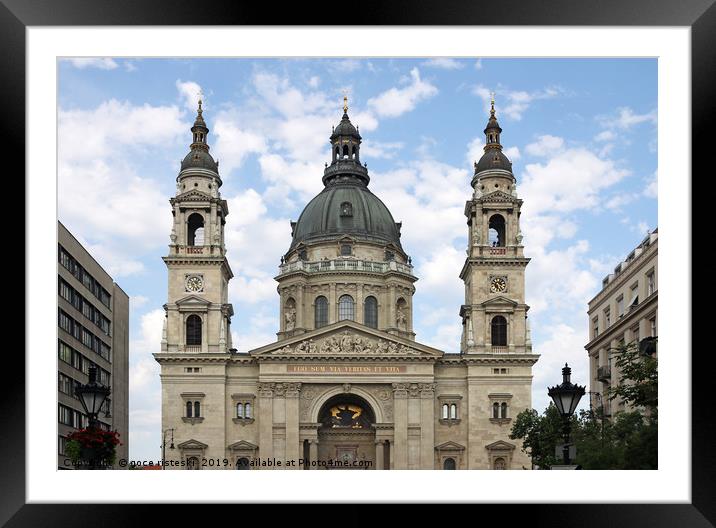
<point x="346" y="439"/>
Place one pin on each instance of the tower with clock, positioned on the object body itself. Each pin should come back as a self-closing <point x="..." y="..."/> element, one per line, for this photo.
<point x="198" y="314"/>
<point x="494" y="315"/>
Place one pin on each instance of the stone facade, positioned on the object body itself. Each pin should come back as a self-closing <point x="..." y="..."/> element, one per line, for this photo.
<point x="623" y="312"/>
<point x="346" y="384"/>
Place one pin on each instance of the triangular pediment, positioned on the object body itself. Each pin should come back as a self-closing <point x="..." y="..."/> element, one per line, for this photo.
<point x="243" y="444"/>
<point x="192" y="444"/>
<point x="347" y="339"/>
<point x="500" y="445"/>
<point x="499" y="301"/>
<point x="450" y="446"/>
<point x="497" y="196"/>
<point x="190" y="300"/>
<point x="193" y="194"/>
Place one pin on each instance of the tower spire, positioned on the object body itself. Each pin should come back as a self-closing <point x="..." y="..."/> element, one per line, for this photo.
<point x="492" y="130"/>
<point x="345" y="103"/>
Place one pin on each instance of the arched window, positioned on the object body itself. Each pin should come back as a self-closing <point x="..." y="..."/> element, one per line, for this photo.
<point x="338" y="152"/>
<point x="346" y="308"/>
<point x="243" y="463"/>
<point x="321" y="311"/>
<point x="449" y="463"/>
<point x="239" y="410"/>
<point x="346" y="209"/>
<point x="503" y="410"/>
<point x="189" y="408"/>
<point x="346" y="152"/>
<point x="192" y="463"/>
<point x="453" y="411"/>
<point x="500" y="463"/>
<point x="499" y="331"/>
<point x="193" y="330"/>
<point x="370" y="312"/>
<point x="247" y="410"/>
<point x="195" y="230"/>
<point x="497" y="231"/>
<point x="197" y="409"/>
<point x="445" y="411"/>
<point x="401" y="314"/>
<point x="495" y="410"/>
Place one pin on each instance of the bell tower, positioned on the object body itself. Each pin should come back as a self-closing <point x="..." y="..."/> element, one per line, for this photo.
<point x="494" y="315"/>
<point x="198" y="314"/>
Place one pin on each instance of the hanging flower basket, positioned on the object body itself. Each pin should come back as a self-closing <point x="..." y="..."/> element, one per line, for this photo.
<point x="92" y="448"/>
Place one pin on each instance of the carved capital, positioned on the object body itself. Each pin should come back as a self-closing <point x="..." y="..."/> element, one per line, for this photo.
<point x="427" y="390"/>
<point x="414" y="390"/>
<point x="279" y="389"/>
<point x="265" y="390"/>
<point x="292" y="390"/>
<point x="400" y="390"/>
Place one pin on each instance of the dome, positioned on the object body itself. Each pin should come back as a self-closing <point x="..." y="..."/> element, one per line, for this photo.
<point x="346" y="208"/>
<point x="345" y="128"/>
<point x="199" y="158"/>
<point x="493" y="159"/>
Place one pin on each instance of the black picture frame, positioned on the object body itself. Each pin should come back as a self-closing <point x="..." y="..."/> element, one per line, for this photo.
<point x="699" y="15"/>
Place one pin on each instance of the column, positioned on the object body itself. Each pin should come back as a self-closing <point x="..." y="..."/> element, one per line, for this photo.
<point x="265" y="419"/>
<point x="399" y="451"/>
<point x="511" y="333"/>
<point x="427" y="427"/>
<point x="299" y="306"/>
<point x="332" y="305"/>
<point x="391" y="454"/>
<point x="313" y="453"/>
<point x="293" y="447"/>
<point x="359" y="303"/>
<point x="391" y="309"/>
<point x="379" y="452"/>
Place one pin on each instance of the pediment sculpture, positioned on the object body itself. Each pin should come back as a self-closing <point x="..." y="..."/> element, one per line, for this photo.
<point x="347" y="343"/>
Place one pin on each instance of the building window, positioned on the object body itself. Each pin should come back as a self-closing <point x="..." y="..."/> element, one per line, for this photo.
<point x="243" y="464"/>
<point x="634" y="300"/>
<point x="453" y="411"/>
<point x="500" y="407"/>
<point x="239" y="410"/>
<point x="197" y="409"/>
<point x="370" y="312"/>
<point x="346" y="209"/>
<point x="446" y="411"/>
<point x="346" y="308"/>
<point x="620" y="306"/>
<point x="499" y="331"/>
<point x="195" y="230"/>
<point x="61" y="445"/>
<point x="595" y="327"/>
<point x="449" y="463"/>
<point x="192" y="463"/>
<point x="64" y="352"/>
<point x="189" y="409"/>
<point x="495" y="410"/>
<point x="247" y="411"/>
<point x="321" y="311"/>
<point x="650" y="283"/>
<point x="607" y="318"/>
<point x="66" y="416"/>
<point x="346" y="250"/>
<point x="193" y="330"/>
<point x="652" y="327"/>
<point x="497" y="231"/>
<point x="500" y="463"/>
<point x="635" y="334"/>
<point x="65" y="384"/>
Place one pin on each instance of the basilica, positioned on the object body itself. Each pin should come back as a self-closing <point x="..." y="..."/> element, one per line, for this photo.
<point x="346" y="385"/>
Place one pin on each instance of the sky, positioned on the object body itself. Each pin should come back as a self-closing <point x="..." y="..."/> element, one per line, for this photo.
<point x="581" y="134"/>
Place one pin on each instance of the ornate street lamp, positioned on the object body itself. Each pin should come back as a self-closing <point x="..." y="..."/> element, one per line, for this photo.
<point x="566" y="397"/>
<point x="92" y="397"/>
<point x="164" y="444"/>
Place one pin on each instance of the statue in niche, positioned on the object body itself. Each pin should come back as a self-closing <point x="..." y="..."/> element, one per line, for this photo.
<point x="513" y="190"/>
<point x="400" y="317"/>
<point x="475" y="236"/>
<point x="519" y="238"/>
<point x="290" y="316"/>
<point x="173" y="236"/>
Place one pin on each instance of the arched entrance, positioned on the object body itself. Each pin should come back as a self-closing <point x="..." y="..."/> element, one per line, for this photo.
<point x="346" y="437"/>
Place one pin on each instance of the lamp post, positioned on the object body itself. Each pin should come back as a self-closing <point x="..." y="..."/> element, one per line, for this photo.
<point x="566" y="397"/>
<point x="164" y="444"/>
<point x="92" y="397"/>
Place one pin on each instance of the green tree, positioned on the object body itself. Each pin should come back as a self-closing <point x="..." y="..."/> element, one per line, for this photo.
<point x="540" y="435"/>
<point x="638" y="378"/>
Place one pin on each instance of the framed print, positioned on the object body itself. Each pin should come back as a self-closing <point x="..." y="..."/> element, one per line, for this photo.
<point x="367" y="245"/>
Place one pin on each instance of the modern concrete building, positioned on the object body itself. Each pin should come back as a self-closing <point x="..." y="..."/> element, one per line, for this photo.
<point x="624" y="311"/>
<point x="93" y="329"/>
<point x="345" y="384"/>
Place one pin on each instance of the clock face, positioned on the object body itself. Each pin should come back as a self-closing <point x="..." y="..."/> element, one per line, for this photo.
<point x="194" y="283"/>
<point x="498" y="285"/>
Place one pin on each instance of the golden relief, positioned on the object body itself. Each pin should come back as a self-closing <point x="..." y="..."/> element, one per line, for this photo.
<point x="347" y="415"/>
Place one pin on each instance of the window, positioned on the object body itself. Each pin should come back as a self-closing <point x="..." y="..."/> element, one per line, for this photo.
<point x="195" y="230"/>
<point x="499" y="331"/>
<point x="189" y="409"/>
<point x="192" y="463"/>
<point x="370" y="312"/>
<point x="87" y="338"/>
<point x="321" y="311"/>
<point x="346" y="209"/>
<point x="650" y="283"/>
<point x="239" y="410"/>
<point x="495" y="410"/>
<point x="247" y="410"/>
<point x="607" y="318"/>
<point x="449" y="463"/>
<point x="65" y="291"/>
<point x="193" y="330"/>
<point x="243" y="464"/>
<point x="634" y="299"/>
<point x="635" y="333"/>
<point x="595" y="327"/>
<point x="500" y="463"/>
<point x="496" y="234"/>
<point x="61" y="445"/>
<point x="503" y="410"/>
<point x="446" y="411"/>
<point x="65" y="384"/>
<point x="346" y="250"/>
<point x="453" y="411"/>
<point x="65" y="322"/>
<point x="620" y="306"/>
<point x="499" y="405"/>
<point x="346" y="308"/>
<point x="64" y="352"/>
<point x="78" y="360"/>
<point x="197" y="409"/>
<point x="652" y="327"/>
<point x="66" y="416"/>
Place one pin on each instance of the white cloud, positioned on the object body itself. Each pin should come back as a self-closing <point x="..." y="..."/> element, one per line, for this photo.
<point x="652" y="187"/>
<point x="190" y="92"/>
<point x="396" y="101"/>
<point x="137" y="301"/>
<point x="545" y="145"/>
<point x="233" y="145"/>
<point x="626" y="118"/>
<point x="475" y="149"/>
<point x="513" y="153"/>
<point x="129" y="66"/>
<point x="386" y="150"/>
<point x="314" y="81"/>
<point x="605" y="135"/>
<point x="513" y="104"/>
<point x="478" y="64"/>
<point x="443" y="63"/>
<point x="93" y="62"/>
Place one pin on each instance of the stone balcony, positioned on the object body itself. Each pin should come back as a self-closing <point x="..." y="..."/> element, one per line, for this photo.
<point x="363" y="266"/>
